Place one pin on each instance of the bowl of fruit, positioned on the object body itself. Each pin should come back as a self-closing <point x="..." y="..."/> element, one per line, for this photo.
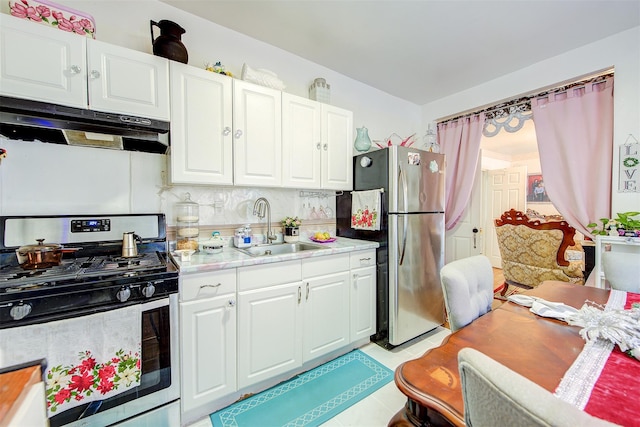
<point x="322" y="237"/>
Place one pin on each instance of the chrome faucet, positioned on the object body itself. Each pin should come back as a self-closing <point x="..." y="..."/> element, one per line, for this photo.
<point x="259" y="208"/>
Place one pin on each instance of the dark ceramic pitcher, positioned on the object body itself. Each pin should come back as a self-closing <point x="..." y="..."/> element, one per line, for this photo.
<point x="168" y="43"/>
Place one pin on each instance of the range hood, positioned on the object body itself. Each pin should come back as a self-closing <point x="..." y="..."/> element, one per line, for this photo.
<point x="27" y="120"/>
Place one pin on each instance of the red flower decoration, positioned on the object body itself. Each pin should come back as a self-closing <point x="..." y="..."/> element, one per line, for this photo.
<point x="81" y="382"/>
<point x="62" y="395"/>
<point x="87" y="364"/>
<point x="106" y="372"/>
<point x="105" y="387"/>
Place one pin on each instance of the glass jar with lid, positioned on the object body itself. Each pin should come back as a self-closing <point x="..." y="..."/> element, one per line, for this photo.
<point x="187" y="223"/>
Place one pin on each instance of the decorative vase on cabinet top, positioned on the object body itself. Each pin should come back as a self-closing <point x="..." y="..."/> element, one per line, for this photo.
<point x="363" y="142"/>
<point x="168" y="44"/>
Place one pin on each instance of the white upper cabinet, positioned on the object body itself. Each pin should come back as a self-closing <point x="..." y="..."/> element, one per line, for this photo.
<point x="45" y="64"/>
<point x="201" y="137"/>
<point x="39" y="63"/>
<point x="337" y="153"/>
<point x="127" y="81"/>
<point x="316" y="144"/>
<point x="257" y="135"/>
<point x="301" y="142"/>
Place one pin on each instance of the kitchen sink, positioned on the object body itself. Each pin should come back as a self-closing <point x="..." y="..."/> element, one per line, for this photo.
<point x="279" y="249"/>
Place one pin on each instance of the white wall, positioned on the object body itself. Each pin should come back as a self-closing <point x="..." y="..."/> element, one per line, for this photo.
<point x="621" y="51"/>
<point x="47" y="179"/>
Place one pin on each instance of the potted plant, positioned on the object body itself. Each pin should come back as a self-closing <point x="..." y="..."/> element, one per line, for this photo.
<point x="291" y="227"/>
<point x="624" y="224"/>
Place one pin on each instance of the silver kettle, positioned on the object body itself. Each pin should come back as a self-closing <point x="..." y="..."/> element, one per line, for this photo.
<point x="130" y="242"/>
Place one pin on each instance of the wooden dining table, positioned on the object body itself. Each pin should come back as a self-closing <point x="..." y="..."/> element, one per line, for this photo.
<point x="541" y="349"/>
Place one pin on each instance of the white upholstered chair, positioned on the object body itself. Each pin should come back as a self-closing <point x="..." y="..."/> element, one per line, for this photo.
<point x="622" y="270"/>
<point x="467" y="285"/>
<point x="494" y="395"/>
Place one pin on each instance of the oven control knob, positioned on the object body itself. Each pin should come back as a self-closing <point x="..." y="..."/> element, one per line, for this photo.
<point x="148" y="290"/>
<point x="123" y="294"/>
<point x="20" y="311"/>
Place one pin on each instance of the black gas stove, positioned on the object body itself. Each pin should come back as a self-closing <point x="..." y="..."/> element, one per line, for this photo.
<point x="94" y="278"/>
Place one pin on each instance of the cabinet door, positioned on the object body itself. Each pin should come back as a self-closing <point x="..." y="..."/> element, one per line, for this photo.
<point x="208" y="346"/>
<point x="127" y="81"/>
<point x="257" y="133"/>
<point x="269" y="332"/>
<point x="201" y="144"/>
<point x="363" y="303"/>
<point x="301" y="144"/>
<point x="326" y="314"/>
<point x="337" y="153"/>
<point x="42" y="64"/>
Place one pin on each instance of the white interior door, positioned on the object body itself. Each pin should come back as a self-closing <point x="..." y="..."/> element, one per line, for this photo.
<point x="504" y="189"/>
<point x="463" y="241"/>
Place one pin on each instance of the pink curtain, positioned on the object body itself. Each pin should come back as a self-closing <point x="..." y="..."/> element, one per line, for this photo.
<point x="460" y="142"/>
<point x="574" y="129"/>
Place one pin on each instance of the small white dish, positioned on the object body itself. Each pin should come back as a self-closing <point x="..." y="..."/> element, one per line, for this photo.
<point x="212" y="248"/>
<point x="184" y="254"/>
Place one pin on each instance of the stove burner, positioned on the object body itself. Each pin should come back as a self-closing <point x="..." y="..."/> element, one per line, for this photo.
<point x="15" y="278"/>
<point x="120" y="264"/>
<point x="26" y="286"/>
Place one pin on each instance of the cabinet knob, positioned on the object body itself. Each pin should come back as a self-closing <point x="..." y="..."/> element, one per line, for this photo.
<point x="325" y="147"/>
<point x="318" y="146"/>
<point x="231" y="303"/>
<point x="226" y="131"/>
<point x="238" y="134"/>
<point x="75" y="69"/>
<point x="95" y="74"/>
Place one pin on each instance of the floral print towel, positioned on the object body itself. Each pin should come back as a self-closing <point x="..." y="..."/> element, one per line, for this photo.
<point x="88" y="358"/>
<point x="365" y="210"/>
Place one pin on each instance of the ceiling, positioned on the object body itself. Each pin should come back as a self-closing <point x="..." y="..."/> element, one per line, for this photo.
<point x="421" y="50"/>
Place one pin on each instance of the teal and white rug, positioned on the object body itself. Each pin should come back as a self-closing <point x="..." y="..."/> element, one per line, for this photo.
<point x="310" y="398"/>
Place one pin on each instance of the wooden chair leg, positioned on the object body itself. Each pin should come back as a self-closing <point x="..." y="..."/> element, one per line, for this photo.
<point x="504" y="289"/>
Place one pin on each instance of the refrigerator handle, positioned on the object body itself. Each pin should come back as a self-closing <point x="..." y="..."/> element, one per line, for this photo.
<point x="404" y="238"/>
<point x="402" y="178"/>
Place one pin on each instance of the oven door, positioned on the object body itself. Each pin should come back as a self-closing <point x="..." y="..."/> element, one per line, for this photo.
<point x="158" y="386"/>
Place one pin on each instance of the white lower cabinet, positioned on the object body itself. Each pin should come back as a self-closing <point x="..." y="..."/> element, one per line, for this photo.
<point x="287" y="314"/>
<point x="270" y="322"/>
<point x="326" y="305"/>
<point x="208" y="337"/>
<point x="363" y="295"/>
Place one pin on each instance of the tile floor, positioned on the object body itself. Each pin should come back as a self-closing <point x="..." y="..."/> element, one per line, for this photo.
<point x="378" y="408"/>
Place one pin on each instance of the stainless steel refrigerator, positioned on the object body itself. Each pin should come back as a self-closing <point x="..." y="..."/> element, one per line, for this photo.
<point x="411" y="238"/>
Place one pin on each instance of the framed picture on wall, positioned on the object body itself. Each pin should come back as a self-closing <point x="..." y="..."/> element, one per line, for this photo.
<point x="536" y="192"/>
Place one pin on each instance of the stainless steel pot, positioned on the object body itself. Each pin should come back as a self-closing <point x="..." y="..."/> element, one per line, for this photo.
<point x="41" y="255"/>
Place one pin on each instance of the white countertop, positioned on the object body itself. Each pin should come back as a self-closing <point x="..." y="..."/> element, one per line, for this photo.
<point x="232" y="258"/>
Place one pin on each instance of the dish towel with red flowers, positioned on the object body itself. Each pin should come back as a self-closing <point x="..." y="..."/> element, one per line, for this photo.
<point x="88" y="358"/>
<point x="365" y="210"/>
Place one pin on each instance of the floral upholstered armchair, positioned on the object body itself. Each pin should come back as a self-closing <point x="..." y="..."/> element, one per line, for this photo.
<point x="533" y="251"/>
